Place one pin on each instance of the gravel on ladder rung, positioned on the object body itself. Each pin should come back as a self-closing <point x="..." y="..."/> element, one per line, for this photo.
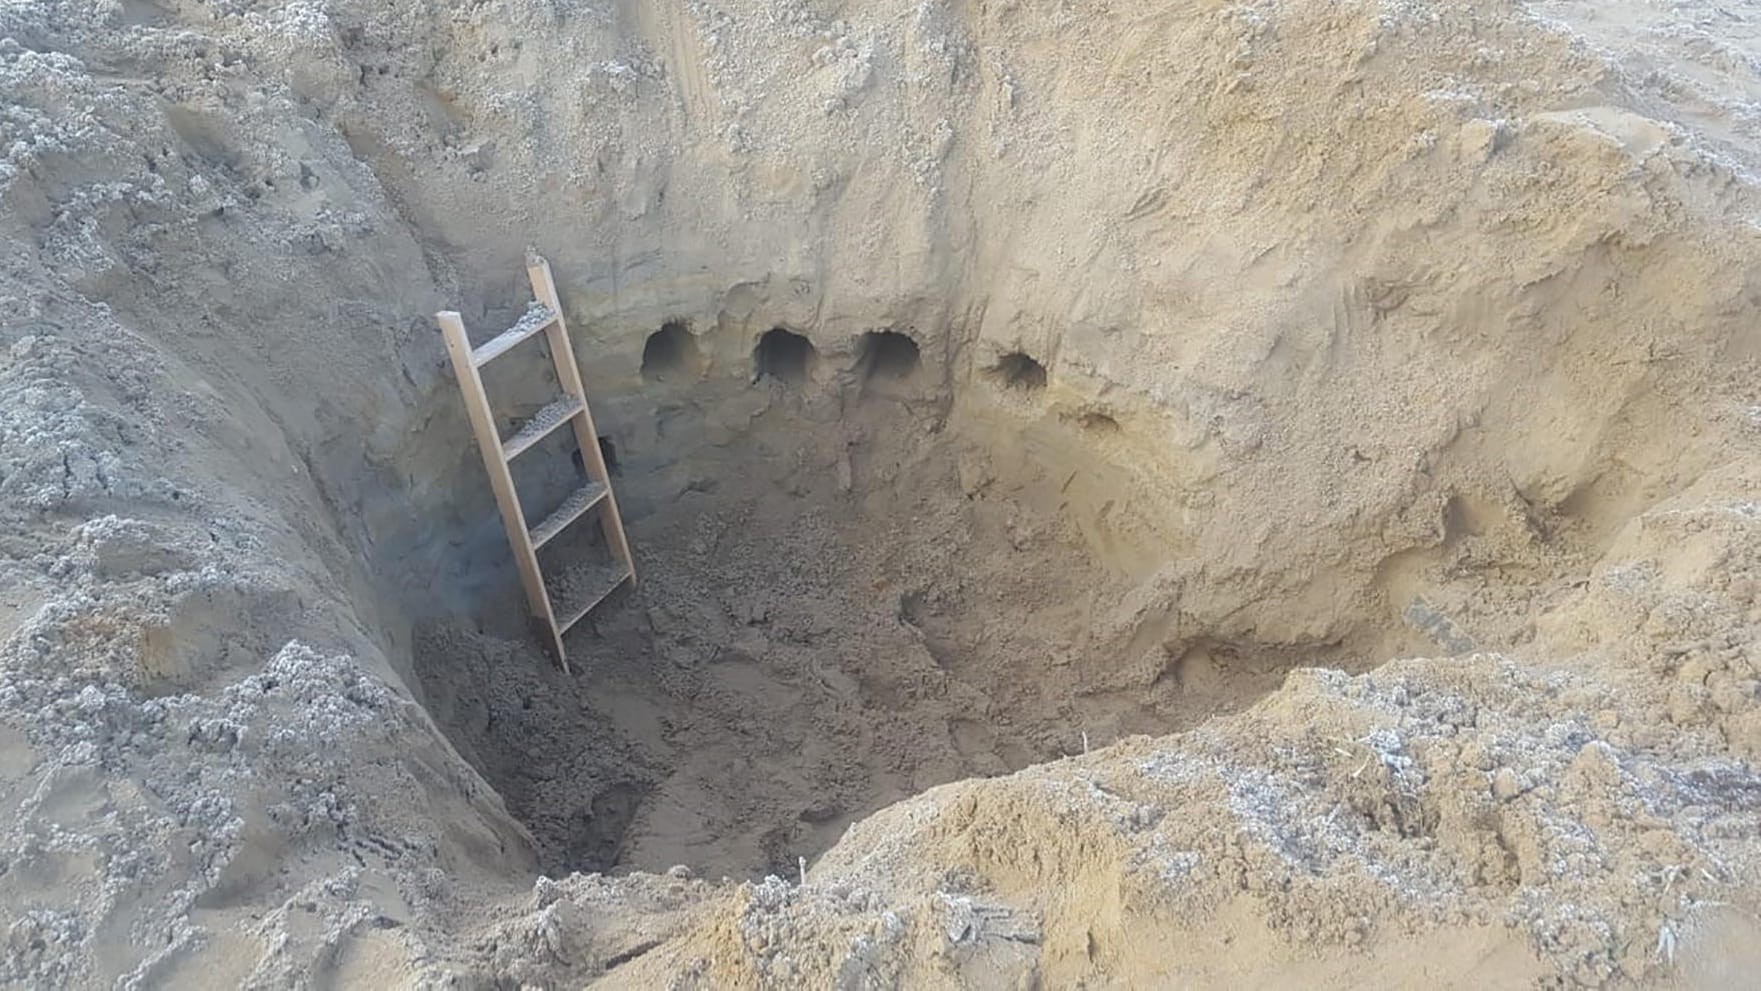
<point x="540" y="426"/>
<point x="577" y="504"/>
<point x="537" y="317"/>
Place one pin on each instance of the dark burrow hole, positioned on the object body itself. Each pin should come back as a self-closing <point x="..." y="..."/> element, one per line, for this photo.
<point x="608" y="450"/>
<point x="1016" y="370"/>
<point x="670" y="354"/>
<point x="885" y="355"/>
<point x="783" y="355"/>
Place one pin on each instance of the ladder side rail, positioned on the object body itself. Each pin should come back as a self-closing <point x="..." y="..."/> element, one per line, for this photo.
<point x="568" y="374"/>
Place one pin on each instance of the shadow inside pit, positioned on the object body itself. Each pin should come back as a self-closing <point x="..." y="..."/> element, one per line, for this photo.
<point x="821" y="629"/>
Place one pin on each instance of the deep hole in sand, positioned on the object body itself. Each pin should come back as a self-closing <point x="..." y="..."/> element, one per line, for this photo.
<point x="670" y="354"/>
<point x="840" y="605"/>
<point x="886" y="354"/>
<point x="783" y="355"/>
<point x="1307" y="389"/>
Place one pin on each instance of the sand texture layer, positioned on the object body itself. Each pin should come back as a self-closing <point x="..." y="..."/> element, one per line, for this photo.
<point x="1185" y="494"/>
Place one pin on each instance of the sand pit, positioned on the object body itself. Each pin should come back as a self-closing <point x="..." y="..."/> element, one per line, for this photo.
<point x="1212" y="495"/>
<point x="845" y="601"/>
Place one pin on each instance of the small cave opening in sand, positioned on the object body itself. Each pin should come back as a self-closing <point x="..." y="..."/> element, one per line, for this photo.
<point x="886" y="355"/>
<point x="670" y="355"/>
<point x="785" y="356"/>
<point x="1018" y="370"/>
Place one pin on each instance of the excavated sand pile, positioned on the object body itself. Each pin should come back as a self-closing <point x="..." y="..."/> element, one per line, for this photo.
<point x="1133" y="495"/>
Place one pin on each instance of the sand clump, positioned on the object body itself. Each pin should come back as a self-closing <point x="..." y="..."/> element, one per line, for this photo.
<point x="1229" y="493"/>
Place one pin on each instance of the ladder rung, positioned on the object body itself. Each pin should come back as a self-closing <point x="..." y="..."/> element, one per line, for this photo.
<point x="595" y="584"/>
<point x="583" y="499"/>
<point x="538" y="316"/>
<point x="539" y="427"/>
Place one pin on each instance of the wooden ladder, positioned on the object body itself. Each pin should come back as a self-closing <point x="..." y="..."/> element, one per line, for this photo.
<point x="586" y="587"/>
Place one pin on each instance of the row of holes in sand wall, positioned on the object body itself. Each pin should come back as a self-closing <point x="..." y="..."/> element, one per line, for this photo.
<point x="671" y="355"/>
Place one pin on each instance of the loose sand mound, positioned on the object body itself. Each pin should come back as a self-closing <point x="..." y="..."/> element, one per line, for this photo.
<point x="1207" y="494"/>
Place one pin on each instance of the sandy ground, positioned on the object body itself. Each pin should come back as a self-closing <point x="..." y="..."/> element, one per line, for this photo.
<point x="1315" y="543"/>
